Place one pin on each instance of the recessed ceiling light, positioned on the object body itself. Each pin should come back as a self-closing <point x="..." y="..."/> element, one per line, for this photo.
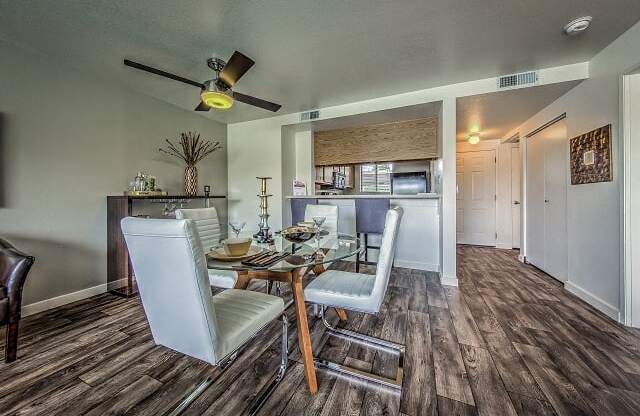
<point x="577" y="26"/>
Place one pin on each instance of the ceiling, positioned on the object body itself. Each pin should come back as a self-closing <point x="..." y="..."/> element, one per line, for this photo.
<point x="413" y="112"/>
<point x="312" y="54"/>
<point x="496" y="114"/>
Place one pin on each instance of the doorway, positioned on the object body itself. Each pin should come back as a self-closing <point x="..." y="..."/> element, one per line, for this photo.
<point x="516" y="196"/>
<point x="476" y="198"/>
<point x="546" y="202"/>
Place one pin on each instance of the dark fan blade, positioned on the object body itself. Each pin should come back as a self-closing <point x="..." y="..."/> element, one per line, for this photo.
<point x="202" y="107"/>
<point x="162" y="73"/>
<point x="235" y="68"/>
<point x="257" y="102"/>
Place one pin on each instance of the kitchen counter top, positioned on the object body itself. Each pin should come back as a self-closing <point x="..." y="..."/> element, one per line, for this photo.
<point x="362" y="196"/>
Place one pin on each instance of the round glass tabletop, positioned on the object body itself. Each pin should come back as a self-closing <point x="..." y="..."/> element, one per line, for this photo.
<point x="317" y="251"/>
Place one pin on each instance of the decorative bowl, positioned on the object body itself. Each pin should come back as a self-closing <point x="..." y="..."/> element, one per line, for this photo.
<point x="297" y="234"/>
<point x="220" y="255"/>
<point x="237" y="246"/>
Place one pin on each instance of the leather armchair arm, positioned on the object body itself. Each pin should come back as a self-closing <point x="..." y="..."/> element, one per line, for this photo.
<point x="14" y="267"/>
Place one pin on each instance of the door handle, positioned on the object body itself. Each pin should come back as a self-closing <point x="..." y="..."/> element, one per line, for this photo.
<point x="516" y="202"/>
<point x="546" y="201"/>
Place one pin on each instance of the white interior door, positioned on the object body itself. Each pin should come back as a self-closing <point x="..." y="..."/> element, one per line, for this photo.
<point x="516" y="196"/>
<point x="476" y="204"/>
<point x="535" y="202"/>
<point x="555" y="227"/>
<point x="547" y="200"/>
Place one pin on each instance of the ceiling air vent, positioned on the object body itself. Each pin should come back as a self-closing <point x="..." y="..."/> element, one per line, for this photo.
<point x="522" y="79"/>
<point x="309" y="115"/>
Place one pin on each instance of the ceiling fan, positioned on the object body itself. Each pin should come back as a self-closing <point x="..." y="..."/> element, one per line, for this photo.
<point x="217" y="93"/>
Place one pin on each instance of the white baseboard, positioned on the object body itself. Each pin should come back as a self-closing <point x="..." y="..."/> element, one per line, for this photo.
<point x="521" y="258"/>
<point x="604" y="307"/>
<point x="504" y="246"/>
<point x="416" y="265"/>
<point x="448" y="280"/>
<point x="46" y="304"/>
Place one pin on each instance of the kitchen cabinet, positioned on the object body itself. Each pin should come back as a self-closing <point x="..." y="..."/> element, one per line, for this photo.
<point x="324" y="174"/>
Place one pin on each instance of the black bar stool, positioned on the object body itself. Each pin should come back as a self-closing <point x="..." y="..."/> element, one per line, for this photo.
<point x="370" y="216"/>
<point x="298" y="206"/>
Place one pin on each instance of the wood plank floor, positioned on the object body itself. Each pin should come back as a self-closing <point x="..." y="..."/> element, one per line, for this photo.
<point x="509" y="341"/>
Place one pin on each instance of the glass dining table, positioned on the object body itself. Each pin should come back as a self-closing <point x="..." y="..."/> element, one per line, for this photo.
<point x="313" y="255"/>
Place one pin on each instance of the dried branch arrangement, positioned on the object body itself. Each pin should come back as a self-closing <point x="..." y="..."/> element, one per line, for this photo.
<point x="191" y="148"/>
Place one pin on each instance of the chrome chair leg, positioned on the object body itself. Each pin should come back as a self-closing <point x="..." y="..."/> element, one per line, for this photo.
<point x="191" y="397"/>
<point x="395" y="383"/>
<point x="268" y="390"/>
<point x="262" y="396"/>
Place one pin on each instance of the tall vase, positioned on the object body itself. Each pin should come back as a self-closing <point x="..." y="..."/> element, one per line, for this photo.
<point x="190" y="180"/>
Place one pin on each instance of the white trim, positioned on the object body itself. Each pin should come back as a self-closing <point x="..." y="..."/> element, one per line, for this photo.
<point x="47" y="304"/>
<point x="504" y="246"/>
<point x="416" y="265"/>
<point x="522" y="258"/>
<point x="484" y="145"/>
<point x="449" y="280"/>
<point x="627" y="263"/>
<point x="604" y="307"/>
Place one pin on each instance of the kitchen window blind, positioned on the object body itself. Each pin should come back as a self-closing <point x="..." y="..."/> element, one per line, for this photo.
<point x="375" y="178"/>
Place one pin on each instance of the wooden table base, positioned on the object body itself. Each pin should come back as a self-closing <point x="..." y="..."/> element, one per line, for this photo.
<point x="294" y="278"/>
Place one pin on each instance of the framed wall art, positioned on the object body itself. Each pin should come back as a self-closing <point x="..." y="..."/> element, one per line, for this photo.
<point x="590" y="157"/>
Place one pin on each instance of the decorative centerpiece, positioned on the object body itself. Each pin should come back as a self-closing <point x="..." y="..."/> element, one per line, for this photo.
<point x="263" y="235"/>
<point x="298" y="234"/>
<point x="191" y="149"/>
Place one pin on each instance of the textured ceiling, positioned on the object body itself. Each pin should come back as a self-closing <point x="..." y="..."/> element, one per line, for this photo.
<point x="312" y="53"/>
<point x="499" y="113"/>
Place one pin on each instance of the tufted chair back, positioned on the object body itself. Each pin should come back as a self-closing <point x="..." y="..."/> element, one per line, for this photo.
<point x="171" y="272"/>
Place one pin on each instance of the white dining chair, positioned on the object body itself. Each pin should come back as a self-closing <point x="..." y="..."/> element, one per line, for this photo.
<point x="330" y="212"/>
<point x="171" y="272"/>
<point x="360" y="293"/>
<point x="208" y="226"/>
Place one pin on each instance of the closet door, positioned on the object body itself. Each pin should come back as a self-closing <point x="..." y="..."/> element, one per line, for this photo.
<point x="555" y="228"/>
<point x="547" y="200"/>
<point x="535" y="202"/>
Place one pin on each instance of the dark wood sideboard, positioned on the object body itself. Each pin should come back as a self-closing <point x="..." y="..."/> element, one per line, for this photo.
<point x="120" y="277"/>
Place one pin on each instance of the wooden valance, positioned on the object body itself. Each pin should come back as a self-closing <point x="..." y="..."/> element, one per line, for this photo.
<point x="388" y="142"/>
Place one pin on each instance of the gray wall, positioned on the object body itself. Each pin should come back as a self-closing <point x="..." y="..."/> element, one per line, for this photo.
<point x="68" y="140"/>
<point x="594" y="218"/>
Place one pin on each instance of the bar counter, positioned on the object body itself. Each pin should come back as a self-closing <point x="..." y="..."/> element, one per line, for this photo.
<point x="418" y="244"/>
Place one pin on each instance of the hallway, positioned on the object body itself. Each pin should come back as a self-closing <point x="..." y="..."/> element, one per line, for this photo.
<point x="550" y="349"/>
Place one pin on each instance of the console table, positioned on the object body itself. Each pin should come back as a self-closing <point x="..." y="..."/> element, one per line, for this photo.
<point x="120" y="278"/>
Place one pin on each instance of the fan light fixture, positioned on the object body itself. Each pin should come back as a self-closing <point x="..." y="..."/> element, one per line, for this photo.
<point x="216" y="99"/>
<point x="473" y="138"/>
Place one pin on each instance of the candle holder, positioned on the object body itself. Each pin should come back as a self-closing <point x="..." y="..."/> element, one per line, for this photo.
<point x="263" y="235"/>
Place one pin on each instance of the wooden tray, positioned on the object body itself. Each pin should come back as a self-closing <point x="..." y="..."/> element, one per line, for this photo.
<point x="220" y="255"/>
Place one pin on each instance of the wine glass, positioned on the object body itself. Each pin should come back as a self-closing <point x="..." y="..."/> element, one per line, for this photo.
<point x="318" y="221"/>
<point x="237" y="227"/>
